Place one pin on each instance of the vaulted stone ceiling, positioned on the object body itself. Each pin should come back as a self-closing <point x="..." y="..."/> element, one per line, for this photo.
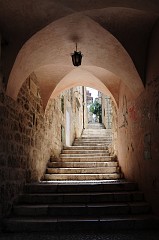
<point x="113" y="35"/>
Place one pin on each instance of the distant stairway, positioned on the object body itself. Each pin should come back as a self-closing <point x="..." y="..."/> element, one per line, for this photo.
<point x="87" y="159"/>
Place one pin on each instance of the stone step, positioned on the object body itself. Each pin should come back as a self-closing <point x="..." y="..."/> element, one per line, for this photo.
<point x="96" y="131"/>
<point x="94" y="126"/>
<point x="99" y="135"/>
<point x="85" y="148"/>
<point x="84" y="140"/>
<point x="85" y="155"/>
<point x="60" y="207"/>
<point x="70" y="224"/>
<point x="83" y="151"/>
<point x="82" y="164"/>
<point x="82" y="197"/>
<point x="89" y="210"/>
<point x="95" y="136"/>
<point x="92" y="139"/>
<point x="91" y="144"/>
<point x="44" y="187"/>
<point x="94" y="170"/>
<point x="87" y="159"/>
<point x="82" y="177"/>
<point x="88" y="130"/>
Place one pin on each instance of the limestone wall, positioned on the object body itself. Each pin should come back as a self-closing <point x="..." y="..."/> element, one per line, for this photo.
<point x="139" y="130"/>
<point x="106" y="111"/>
<point x="29" y="136"/>
<point x="57" y="121"/>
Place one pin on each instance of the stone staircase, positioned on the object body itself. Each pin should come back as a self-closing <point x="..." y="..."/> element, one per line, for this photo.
<point x="86" y="194"/>
<point x="80" y="207"/>
<point x="87" y="159"/>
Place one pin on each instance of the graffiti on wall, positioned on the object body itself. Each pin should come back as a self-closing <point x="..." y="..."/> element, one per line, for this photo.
<point x="144" y="113"/>
<point x="133" y="113"/>
<point x="124" y="113"/>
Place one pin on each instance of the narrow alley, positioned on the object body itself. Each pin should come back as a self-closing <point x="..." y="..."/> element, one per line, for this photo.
<point x="79" y="119"/>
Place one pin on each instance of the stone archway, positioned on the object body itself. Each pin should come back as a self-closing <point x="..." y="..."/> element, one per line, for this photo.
<point x="105" y="82"/>
<point x="106" y="65"/>
<point x="48" y="52"/>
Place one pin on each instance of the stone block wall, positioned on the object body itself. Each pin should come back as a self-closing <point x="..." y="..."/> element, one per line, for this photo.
<point x="138" y="130"/>
<point x="29" y="136"/>
<point x="21" y="138"/>
<point x="139" y="138"/>
<point x="55" y="118"/>
<point x="106" y="111"/>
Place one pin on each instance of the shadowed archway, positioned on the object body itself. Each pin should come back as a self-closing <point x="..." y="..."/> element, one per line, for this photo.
<point x="47" y="54"/>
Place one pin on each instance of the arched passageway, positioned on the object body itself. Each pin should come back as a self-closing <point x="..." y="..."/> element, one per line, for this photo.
<point x="47" y="54"/>
<point x="120" y="54"/>
<point x="106" y="64"/>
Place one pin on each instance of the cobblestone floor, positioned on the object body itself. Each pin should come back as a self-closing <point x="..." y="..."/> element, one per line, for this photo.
<point x="120" y="235"/>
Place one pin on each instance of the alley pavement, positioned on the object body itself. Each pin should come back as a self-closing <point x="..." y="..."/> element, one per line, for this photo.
<point x="118" y="235"/>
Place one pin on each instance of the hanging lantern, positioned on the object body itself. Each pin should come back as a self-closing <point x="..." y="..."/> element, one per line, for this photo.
<point x="76" y="57"/>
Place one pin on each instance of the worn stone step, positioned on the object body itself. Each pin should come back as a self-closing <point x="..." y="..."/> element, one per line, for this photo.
<point x="83" y="151"/>
<point x="85" y="148"/>
<point x="87" y="159"/>
<point x="98" y="135"/>
<point x="82" y="164"/>
<point x="98" y="210"/>
<point x="81" y="197"/>
<point x="87" y="130"/>
<point x="94" y="170"/>
<point x="92" y="140"/>
<point x="95" y="126"/>
<point x="70" y="224"/>
<point x="95" y="137"/>
<point x="91" y="132"/>
<point x="96" y="131"/>
<point x="52" y="177"/>
<point x="85" y="155"/>
<point x="76" y="187"/>
<point x="91" y="144"/>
